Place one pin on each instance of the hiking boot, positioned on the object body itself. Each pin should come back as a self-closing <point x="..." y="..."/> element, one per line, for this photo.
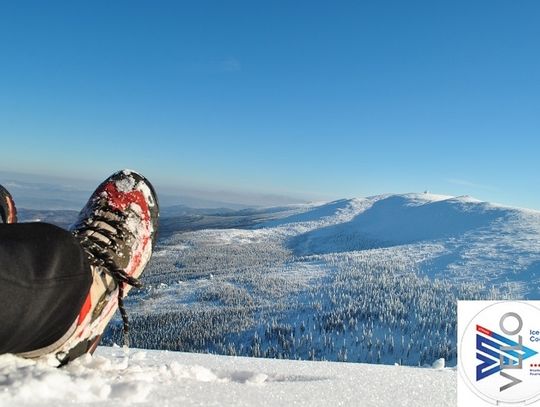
<point x="117" y="231"/>
<point x="8" y="212"/>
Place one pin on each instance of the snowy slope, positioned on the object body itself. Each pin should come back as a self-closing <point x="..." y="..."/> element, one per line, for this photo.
<point x="159" y="378"/>
<point x="369" y="280"/>
<point x="399" y="219"/>
<point x="472" y="240"/>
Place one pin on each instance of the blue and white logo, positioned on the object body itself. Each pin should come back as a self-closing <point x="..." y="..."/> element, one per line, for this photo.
<point x="499" y="344"/>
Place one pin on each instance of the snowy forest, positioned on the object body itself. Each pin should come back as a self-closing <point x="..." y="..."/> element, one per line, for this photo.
<point x="258" y="291"/>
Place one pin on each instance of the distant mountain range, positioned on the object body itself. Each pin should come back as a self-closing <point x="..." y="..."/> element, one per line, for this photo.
<point x="46" y="193"/>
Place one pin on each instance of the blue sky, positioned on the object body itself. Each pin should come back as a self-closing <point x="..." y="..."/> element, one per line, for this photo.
<point x="309" y="99"/>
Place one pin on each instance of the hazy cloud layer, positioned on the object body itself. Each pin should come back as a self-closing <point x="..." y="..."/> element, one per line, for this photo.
<point x="41" y="192"/>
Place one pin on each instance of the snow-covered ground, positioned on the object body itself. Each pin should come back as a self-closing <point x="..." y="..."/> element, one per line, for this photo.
<point x="369" y="280"/>
<point x="161" y="378"/>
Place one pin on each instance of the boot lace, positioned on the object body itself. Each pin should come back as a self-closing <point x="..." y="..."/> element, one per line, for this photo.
<point x="101" y="253"/>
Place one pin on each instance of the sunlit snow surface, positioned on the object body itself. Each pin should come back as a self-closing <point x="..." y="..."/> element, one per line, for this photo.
<point x="369" y="280"/>
<point x="161" y="378"/>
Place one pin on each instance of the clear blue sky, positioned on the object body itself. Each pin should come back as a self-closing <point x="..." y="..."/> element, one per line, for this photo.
<point x="306" y="98"/>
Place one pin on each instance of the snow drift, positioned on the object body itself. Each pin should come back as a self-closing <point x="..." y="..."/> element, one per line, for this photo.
<point x="157" y="378"/>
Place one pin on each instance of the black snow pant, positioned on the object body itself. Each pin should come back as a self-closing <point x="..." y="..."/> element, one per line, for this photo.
<point x="44" y="281"/>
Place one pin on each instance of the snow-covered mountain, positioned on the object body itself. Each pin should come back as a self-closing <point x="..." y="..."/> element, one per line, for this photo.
<point x="370" y="280"/>
<point x="364" y="280"/>
<point x="159" y="378"/>
<point x="476" y="240"/>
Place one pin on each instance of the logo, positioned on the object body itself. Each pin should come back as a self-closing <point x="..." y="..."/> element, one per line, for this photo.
<point x="499" y="345"/>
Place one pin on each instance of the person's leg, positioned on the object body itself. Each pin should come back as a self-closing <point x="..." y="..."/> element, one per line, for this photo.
<point x="62" y="288"/>
<point x="44" y="281"/>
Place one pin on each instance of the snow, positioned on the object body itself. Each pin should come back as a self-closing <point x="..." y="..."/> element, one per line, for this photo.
<point x="284" y="274"/>
<point x="438" y="364"/>
<point x="125" y="184"/>
<point x="298" y="286"/>
<point x="481" y="241"/>
<point x="403" y="219"/>
<point x="161" y="378"/>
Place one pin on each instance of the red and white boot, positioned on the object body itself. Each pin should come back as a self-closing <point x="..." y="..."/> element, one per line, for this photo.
<point x="117" y="230"/>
